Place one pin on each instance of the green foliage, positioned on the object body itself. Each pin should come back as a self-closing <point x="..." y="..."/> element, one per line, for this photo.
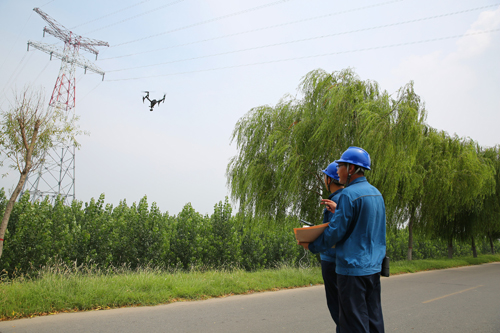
<point x="488" y="217"/>
<point x="98" y="234"/>
<point x="140" y="235"/>
<point x="283" y="148"/>
<point x="29" y="129"/>
<point x="440" y="185"/>
<point x="428" y="248"/>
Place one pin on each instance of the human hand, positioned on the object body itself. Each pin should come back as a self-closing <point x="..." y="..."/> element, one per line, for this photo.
<point x="304" y="245"/>
<point x="330" y="205"/>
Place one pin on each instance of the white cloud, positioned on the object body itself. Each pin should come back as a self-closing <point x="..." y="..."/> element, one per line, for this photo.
<point x="471" y="46"/>
<point x="451" y="81"/>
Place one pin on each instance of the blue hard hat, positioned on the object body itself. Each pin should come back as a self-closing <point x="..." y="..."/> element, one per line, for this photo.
<point x="331" y="171"/>
<point x="357" y="156"/>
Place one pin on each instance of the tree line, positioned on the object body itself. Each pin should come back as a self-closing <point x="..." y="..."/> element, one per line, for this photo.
<point x="434" y="184"/>
<point x="95" y="233"/>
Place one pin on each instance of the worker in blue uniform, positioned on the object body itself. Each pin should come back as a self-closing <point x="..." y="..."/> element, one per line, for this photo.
<point x="358" y="233"/>
<point x="333" y="185"/>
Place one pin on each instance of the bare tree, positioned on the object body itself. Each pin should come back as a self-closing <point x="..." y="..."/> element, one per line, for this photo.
<point x="28" y="130"/>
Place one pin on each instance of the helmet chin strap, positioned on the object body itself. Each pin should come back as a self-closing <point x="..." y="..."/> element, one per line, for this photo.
<point x="349" y="175"/>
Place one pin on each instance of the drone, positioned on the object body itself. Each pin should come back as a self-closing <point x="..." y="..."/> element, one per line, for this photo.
<point x="154" y="101"/>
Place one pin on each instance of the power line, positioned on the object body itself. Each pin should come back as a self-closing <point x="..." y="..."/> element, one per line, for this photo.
<point x="91" y="90"/>
<point x="261" y="29"/>
<point x="311" y="38"/>
<point x="43" y="70"/>
<point x="46" y="3"/>
<point x="206" y="21"/>
<point x="14" y="75"/>
<point x="318" y="55"/>
<point x="135" y="16"/>
<point x="107" y="15"/>
<point x="14" y="44"/>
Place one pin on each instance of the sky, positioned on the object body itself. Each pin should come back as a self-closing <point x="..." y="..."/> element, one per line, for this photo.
<point x="217" y="59"/>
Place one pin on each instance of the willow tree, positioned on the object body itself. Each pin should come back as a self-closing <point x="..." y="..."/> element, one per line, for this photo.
<point x="489" y="215"/>
<point x="394" y="136"/>
<point x="283" y="148"/>
<point x="457" y="181"/>
<point x="28" y="130"/>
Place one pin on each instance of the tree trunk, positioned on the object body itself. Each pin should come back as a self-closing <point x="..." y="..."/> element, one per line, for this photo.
<point x="450" y="248"/>
<point x="491" y="244"/>
<point x="8" y="209"/>
<point x="474" y="250"/>
<point x="410" y="236"/>
<point x="29" y="146"/>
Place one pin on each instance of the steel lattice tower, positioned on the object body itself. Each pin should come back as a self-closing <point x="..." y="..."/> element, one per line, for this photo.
<point x="56" y="176"/>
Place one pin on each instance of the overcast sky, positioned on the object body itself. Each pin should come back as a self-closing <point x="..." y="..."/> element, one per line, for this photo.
<point x="217" y="59"/>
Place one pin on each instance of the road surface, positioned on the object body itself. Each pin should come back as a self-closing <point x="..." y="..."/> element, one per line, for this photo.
<point x="465" y="299"/>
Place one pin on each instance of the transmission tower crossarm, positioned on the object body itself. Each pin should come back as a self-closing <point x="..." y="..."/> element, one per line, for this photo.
<point x="56" y="52"/>
<point x="59" y="31"/>
<point x="89" y="45"/>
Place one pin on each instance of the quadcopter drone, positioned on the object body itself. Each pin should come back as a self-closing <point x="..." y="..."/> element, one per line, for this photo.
<point x="154" y="101"/>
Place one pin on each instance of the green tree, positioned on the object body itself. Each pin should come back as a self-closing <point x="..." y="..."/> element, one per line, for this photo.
<point x="456" y="184"/>
<point x="283" y="148"/>
<point x="394" y="134"/>
<point x="489" y="216"/>
<point x="27" y="131"/>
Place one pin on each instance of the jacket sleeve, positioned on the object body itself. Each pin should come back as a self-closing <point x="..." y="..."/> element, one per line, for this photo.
<point x="337" y="227"/>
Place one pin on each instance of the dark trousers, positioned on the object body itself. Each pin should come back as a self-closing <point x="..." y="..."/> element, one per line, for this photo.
<point x="360" y="303"/>
<point x="332" y="294"/>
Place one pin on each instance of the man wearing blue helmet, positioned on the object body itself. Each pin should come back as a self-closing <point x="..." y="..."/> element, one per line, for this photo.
<point x="333" y="185"/>
<point x="358" y="233"/>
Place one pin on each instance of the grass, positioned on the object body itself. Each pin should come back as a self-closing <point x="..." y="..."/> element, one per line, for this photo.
<point x="413" y="266"/>
<point x="68" y="289"/>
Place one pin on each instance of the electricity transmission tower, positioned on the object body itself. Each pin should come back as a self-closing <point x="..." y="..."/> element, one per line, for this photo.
<point x="56" y="176"/>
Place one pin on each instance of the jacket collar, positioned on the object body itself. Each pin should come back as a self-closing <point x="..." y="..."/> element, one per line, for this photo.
<point x="358" y="180"/>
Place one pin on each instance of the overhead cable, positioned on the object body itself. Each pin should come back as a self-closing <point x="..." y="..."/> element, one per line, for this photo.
<point x="15" y="41"/>
<point x="135" y="16"/>
<point x="261" y="29"/>
<point x="46" y="3"/>
<point x="91" y="90"/>
<point x="113" y="13"/>
<point x="207" y="21"/>
<point x="20" y="66"/>
<point x="43" y="70"/>
<point x="317" y="55"/>
<point x="308" y="39"/>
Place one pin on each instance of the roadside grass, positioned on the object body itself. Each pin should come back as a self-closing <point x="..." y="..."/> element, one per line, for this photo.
<point x="68" y="289"/>
<point x="405" y="266"/>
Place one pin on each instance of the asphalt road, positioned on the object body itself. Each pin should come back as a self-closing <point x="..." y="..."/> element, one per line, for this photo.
<point x="465" y="299"/>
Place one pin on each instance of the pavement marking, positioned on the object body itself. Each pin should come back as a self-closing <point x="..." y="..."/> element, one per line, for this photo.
<point x="458" y="292"/>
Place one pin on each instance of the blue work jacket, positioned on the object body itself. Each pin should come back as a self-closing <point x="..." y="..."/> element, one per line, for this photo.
<point x="361" y="254"/>
<point x="329" y="255"/>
